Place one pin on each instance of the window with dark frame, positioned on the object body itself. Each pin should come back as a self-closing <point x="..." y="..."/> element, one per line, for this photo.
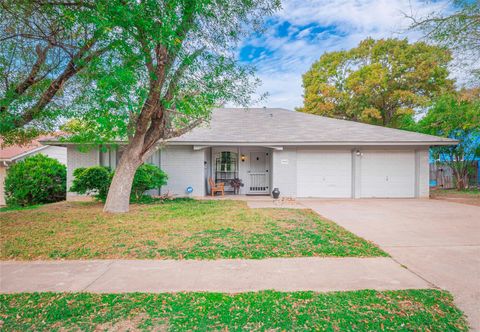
<point x="226" y="168"/>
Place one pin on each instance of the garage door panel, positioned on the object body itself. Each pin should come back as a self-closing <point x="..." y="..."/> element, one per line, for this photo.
<point x="387" y="174"/>
<point x="324" y="173"/>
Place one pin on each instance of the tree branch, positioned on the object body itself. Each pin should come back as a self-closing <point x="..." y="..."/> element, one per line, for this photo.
<point x="71" y="69"/>
<point x="186" y="129"/>
<point x="179" y="73"/>
<point x="30" y="80"/>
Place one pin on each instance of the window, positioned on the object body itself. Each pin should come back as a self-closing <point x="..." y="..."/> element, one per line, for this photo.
<point x="226" y="166"/>
<point x="108" y="156"/>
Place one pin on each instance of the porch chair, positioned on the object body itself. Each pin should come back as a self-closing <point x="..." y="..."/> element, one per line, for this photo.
<point x="216" y="187"/>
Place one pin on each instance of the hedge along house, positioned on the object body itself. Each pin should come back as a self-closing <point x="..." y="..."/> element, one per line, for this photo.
<point x="303" y="155"/>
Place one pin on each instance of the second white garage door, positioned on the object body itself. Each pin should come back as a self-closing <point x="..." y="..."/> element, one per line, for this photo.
<point x="324" y="173"/>
<point x="387" y="174"/>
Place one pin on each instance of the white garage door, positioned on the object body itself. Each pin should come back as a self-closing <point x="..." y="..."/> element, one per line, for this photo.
<point x="387" y="174"/>
<point x="324" y="173"/>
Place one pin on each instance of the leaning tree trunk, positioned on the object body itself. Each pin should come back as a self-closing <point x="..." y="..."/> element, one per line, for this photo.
<point x="118" y="198"/>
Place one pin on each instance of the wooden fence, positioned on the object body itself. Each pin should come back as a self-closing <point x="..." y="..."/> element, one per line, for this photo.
<point x="441" y="176"/>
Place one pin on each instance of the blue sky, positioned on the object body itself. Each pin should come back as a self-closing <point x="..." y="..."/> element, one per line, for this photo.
<point x="297" y="35"/>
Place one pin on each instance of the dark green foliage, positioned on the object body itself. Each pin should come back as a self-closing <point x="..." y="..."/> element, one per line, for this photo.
<point x="35" y="180"/>
<point x="456" y="116"/>
<point x="365" y="310"/>
<point x="92" y="180"/>
<point x="96" y="181"/>
<point x="147" y="177"/>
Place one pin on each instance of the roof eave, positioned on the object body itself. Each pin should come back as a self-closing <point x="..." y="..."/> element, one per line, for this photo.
<point x="235" y="143"/>
<point x="23" y="154"/>
<point x="337" y="143"/>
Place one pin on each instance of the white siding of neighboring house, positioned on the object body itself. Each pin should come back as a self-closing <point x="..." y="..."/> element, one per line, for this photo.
<point x="56" y="152"/>
<point x="185" y="168"/>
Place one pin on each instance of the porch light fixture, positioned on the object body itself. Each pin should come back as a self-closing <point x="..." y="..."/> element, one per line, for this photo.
<point x="242" y="158"/>
<point x="358" y="153"/>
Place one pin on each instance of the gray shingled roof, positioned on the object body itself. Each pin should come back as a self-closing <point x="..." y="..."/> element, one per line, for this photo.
<point x="281" y="126"/>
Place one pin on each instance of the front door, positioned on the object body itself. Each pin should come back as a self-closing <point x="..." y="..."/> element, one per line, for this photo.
<point x="258" y="174"/>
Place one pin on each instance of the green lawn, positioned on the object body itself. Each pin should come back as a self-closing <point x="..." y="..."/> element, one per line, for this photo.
<point x="469" y="192"/>
<point x="413" y="310"/>
<point x="182" y="229"/>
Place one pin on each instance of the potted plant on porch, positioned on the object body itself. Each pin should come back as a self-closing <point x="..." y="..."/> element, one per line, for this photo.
<point x="236" y="183"/>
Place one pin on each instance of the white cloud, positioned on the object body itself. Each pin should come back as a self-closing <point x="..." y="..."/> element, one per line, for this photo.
<point x="345" y="23"/>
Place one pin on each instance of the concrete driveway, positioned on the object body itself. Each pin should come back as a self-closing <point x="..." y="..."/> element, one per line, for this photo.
<point x="437" y="240"/>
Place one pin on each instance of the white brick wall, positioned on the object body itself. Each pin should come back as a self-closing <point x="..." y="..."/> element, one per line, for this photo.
<point x="184" y="167"/>
<point x="77" y="159"/>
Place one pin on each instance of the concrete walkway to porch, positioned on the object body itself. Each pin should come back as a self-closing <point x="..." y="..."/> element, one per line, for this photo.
<point x="259" y="201"/>
<point x="282" y="274"/>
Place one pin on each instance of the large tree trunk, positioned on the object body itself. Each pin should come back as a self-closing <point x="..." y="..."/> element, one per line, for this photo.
<point x="118" y="198"/>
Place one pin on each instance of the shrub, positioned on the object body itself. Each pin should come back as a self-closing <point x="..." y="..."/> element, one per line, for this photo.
<point x="146" y="178"/>
<point x="93" y="181"/>
<point x="35" y="180"/>
<point x="96" y="181"/>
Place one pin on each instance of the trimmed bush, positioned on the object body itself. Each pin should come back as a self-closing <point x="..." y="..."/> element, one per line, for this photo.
<point x="35" y="180"/>
<point x="146" y="178"/>
<point x="93" y="181"/>
<point x="96" y="181"/>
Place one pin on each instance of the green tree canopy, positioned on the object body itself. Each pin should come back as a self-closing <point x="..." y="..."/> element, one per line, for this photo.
<point x="44" y="45"/>
<point x="173" y="61"/>
<point x="380" y="82"/>
<point x="455" y="116"/>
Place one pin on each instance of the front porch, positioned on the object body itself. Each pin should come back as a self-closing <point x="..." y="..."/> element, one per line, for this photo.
<point x="244" y="171"/>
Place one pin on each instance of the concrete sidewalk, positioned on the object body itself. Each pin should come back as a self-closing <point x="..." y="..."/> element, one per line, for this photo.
<point x="282" y="274"/>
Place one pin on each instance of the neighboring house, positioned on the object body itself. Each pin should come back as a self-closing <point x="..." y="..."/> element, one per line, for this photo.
<point x="15" y="153"/>
<point x="303" y="155"/>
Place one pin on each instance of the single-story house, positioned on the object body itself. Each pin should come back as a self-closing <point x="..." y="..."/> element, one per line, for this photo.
<point x="14" y="153"/>
<point x="302" y="155"/>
